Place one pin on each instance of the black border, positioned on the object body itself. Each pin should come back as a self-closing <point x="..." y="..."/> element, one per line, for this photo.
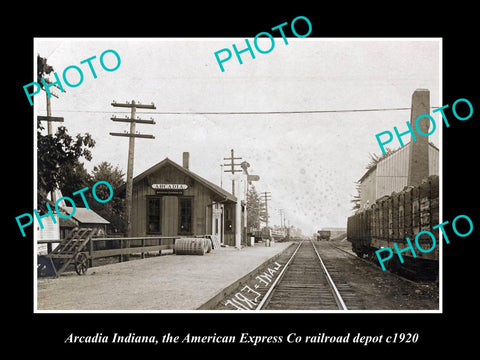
<point x="438" y="332"/>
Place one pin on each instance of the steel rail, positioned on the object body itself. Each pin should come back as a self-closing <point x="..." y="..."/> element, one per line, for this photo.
<point x="272" y="287"/>
<point x="336" y="293"/>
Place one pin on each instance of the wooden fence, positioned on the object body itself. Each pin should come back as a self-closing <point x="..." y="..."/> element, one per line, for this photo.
<point x="102" y="247"/>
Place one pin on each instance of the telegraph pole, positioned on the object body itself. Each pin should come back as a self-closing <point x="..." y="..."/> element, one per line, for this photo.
<point x="281" y="219"/>
<point x="267" y="196"/>
<point x="238" y="207"/>
<point x="49" y="119"/>
<point x="131" y="149"/>
<point x="232" y="167"/>
<point x="221" y="175"/>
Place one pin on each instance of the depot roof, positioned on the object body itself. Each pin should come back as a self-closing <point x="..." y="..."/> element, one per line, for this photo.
<point x="86" y="216"/>
<point x="215" y="188"/>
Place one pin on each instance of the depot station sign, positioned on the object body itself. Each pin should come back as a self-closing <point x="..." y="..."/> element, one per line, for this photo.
<point x="169" y="188"/>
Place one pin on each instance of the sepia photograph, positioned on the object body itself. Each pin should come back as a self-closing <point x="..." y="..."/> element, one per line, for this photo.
<point x="281" y="174"/>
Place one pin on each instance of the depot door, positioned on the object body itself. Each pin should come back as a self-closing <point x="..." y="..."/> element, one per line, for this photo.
<point x="217" y="221"/>
<point x="170" y="216"/>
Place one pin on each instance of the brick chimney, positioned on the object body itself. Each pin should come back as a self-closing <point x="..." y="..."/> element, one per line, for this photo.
<point x="186" y="160"/>
<point x="418" y="156"/>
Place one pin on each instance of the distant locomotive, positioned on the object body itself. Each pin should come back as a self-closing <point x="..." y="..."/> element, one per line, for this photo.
<point x="324" y="235"/>
<point x="393" y="218"/>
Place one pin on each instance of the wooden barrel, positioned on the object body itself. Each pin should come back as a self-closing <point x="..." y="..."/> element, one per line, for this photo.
<point x="215" y="241"/>
<point x="208" y="244"/>
<point x="190" y="246"/>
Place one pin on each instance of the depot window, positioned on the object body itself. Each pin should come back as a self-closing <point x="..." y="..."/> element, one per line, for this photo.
<point x="153" y="215"/>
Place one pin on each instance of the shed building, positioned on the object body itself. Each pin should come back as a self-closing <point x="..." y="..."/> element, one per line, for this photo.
<point x="408" y="165"/>
<point x="83" y="218"/>
<point x="391" y="174"/>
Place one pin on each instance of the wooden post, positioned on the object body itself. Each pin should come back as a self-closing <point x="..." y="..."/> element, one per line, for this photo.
<point x="129" y="194"/>
<point x="131" y="150"/>
<point x="267" y="197"/>
<point x="238" y="208"/>
<point x="49" y="119"/>
<point x="232" y="168"/>
<point x="90" y="253"/>
<point x="120" y="259"/>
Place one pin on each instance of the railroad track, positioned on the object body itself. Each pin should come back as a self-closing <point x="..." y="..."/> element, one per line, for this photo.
<point x="303" y="284"/>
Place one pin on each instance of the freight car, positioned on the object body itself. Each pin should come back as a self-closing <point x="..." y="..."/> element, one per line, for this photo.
<point x="392" y="219"/>
<point x="323" y="235"/>
<point x="279" y="235"/>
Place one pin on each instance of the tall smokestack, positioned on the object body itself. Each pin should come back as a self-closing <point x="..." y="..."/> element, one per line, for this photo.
<point x="418" y="157"/>
<point x="186" y="160"/>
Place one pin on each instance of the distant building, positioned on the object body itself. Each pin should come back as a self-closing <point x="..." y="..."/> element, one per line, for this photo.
<point x="391" y="174"/>
<point x="83" y="218"/>
<point x="407" y="166"/>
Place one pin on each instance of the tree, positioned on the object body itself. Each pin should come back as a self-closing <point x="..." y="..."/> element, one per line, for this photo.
<point x="73" y="177"/>
<point x="114" y="209"/>
<point x="253" y="209"/>
<point x="42" y="69"/>
<point x="375" y="159"/>
<point x="56" y="153"/>
<point x="105" y="171"/>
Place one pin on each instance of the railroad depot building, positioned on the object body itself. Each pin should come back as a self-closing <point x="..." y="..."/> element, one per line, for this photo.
<point x="170" y="200"/>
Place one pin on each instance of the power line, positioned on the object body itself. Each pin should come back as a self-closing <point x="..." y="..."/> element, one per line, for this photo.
<point x="276" y="112"/>
<point x="250" y="112"/>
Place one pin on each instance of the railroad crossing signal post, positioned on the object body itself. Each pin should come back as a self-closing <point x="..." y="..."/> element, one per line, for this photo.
<point x="131" y="149"/>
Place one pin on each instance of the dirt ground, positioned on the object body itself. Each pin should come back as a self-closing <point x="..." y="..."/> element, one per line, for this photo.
<point x="170" y="282"/>
<point x="377" y="289"/>
<point x="175" y="282"/>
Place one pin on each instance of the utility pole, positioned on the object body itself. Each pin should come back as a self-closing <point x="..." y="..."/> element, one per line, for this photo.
<point x="232" y="167"/>
<point x="282" y="224"/>
<point x="245" y="165"/>
<point x="221" y="175"/>
<point x="238" y="207"/>
<point x="44" y="68"/>
<point x="131" y="149"/>
<point x="49" y="119"/>
<point x="267" y="196"/>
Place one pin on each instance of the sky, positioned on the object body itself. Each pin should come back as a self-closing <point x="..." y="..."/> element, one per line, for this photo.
<point x="308" y="161"/>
